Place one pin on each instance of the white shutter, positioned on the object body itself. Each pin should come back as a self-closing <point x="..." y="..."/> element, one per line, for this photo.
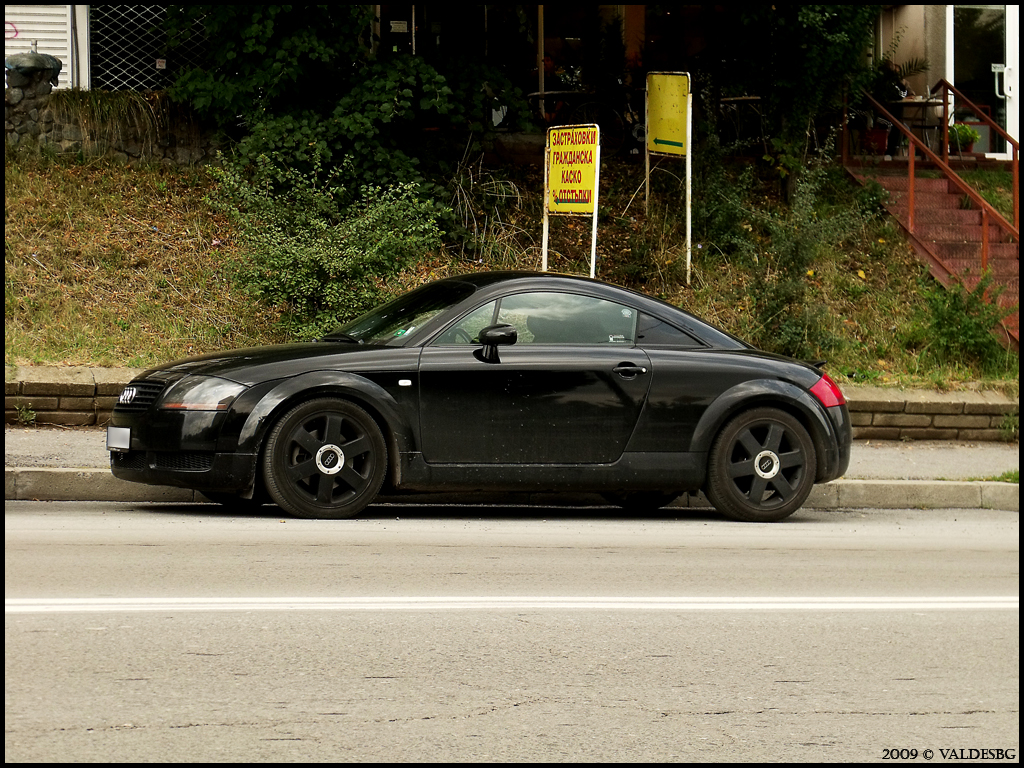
<point x="49" y="26"/>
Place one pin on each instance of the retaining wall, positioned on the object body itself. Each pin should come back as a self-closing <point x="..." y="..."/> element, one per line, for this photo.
<point x="79" y="396"/>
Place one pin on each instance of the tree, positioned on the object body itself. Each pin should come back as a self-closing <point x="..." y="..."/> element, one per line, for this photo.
<point x="800" y="58"/>
<point x="265" y="59"/>
<point x="299" y="81"/>
<point x="797" y="59"/>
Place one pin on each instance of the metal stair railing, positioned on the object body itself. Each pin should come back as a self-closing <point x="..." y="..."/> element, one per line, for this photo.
<point x="988" y="213"/>
<point x="962" y="100"/>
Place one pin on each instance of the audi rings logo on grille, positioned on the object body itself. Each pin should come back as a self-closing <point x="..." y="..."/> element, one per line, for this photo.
<point x="127" y="395"/>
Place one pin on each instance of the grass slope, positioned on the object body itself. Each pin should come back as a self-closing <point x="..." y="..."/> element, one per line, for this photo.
<point x="119" y="265"/>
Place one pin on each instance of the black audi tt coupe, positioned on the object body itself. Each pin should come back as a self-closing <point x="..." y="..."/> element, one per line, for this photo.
<point x="491" y="381"/>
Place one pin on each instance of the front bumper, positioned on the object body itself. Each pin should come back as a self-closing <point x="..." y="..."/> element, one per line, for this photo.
<point x="197" y="470"/>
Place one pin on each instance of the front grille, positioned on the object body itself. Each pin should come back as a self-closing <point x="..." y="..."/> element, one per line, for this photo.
<point x="139" y="395"/>
<point x="133" y="460"/>
<point x="185" y="461"/>
<point x="175" y="461"/>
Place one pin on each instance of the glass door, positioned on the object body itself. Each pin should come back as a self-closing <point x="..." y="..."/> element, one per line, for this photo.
<point x="984" y="69"/>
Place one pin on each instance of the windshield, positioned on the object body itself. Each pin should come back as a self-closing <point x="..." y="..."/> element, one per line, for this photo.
<point x="392" y="322"/>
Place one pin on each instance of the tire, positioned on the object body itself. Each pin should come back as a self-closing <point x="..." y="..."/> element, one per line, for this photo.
<point x="762" y="467"/>
<point x="325" y="459"/>
<point x="640" y="502"/>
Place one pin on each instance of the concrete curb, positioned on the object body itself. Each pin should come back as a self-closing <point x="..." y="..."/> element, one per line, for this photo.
<point x="90" y="484"/>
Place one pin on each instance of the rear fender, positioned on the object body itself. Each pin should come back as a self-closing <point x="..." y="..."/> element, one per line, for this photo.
<point x="769" y="393"/>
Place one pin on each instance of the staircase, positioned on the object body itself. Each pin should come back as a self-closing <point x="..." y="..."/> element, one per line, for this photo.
<point x="947" y="236"/>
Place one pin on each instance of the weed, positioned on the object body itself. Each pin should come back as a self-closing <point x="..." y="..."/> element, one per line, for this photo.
<point x="103" y="119"/>
<point x="996" y="186"/>
<point x="1009" y="476"/>
<point x="26" y="416"/>
<point x="1009" y="428"/>
<point x="485" y="210"/>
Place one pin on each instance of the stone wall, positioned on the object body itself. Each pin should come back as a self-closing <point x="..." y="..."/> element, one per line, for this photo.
<point x="79" y="396"/>
<point x="72" y="396"/>
<point x="31" y="122"/>
<point x="889" y="414"/>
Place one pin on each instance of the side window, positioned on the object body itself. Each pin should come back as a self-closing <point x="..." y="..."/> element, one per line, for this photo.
<point x="466" y="330"/>
<point x="651" y="332"/>
<point x="566" y="318"/>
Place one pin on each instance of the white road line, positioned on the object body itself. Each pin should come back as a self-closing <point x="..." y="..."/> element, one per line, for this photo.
<point x="492" y="603"/>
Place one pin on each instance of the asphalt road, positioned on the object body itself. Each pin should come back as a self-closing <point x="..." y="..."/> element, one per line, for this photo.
<point x="179" y="632"/>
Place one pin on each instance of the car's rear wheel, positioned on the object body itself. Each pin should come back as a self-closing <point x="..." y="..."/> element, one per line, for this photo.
<point x="324" y="459"/>
<point x="761" y="467"/>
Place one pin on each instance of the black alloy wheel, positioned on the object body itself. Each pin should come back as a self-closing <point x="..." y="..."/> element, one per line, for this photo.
<point x="761" y="467"/>
<point x="324" y="459"/>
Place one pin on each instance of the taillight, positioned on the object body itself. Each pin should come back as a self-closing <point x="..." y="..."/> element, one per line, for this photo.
<point x="828" y="392"/>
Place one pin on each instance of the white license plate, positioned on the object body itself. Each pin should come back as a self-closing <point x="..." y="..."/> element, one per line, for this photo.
<point x="119" y="438"/>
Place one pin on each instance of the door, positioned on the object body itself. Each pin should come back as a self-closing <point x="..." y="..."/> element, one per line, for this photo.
<point x="984" y="64"/>
<point x="570" y="391"/>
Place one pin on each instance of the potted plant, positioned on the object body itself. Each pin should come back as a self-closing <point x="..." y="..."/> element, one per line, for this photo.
<point x="962" y="137"/>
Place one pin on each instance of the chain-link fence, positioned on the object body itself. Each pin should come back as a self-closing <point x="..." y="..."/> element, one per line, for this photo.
<point x="128" y="48"/>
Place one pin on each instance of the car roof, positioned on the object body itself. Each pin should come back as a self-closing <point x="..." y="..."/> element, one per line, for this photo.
<point x="556" y="280"/>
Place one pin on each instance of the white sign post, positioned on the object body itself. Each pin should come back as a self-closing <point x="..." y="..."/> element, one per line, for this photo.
<point x="572" y="164"/>
<point x="669" y="129"/>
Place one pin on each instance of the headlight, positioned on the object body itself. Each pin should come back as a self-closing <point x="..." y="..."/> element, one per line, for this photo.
<point x="201" y="393"/>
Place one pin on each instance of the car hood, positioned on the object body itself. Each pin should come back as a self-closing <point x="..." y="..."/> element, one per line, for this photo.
<point x="256" y="364"/>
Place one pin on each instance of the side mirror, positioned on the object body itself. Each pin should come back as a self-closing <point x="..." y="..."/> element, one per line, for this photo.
<point x="492" y="337"/>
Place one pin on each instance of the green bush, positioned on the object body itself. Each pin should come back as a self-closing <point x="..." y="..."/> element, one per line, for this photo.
<point x="317" y="250"/>
<point x="787" y="244"/>
<point x="960" y="324"/>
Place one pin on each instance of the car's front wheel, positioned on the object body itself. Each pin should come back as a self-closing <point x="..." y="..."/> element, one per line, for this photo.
<point x="761" y="467"/>
<point x="324" y="459"/>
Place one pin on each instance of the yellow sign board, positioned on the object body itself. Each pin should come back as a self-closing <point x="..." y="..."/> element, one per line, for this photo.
<point x="668" y="95"/>
<point x="573" y="159"/>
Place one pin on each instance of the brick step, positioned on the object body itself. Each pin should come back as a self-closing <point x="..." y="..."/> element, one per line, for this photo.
<point x="951" y="233"/>
<point x="996" y="251"/>
<point x="1009" y="288"/>
<point x="942" y="216"/>
<point x="931" y="186"/>
<point x="1006" y="252"/>
<point x="1001" y="273"/>
<point x="925" y="200"/>
<point x="970" y="272"/>
<point x="932" y="215"/>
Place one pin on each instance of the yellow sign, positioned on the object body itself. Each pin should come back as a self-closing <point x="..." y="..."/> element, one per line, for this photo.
<point x="668" y="94"/>
<point x="572" y="169"/>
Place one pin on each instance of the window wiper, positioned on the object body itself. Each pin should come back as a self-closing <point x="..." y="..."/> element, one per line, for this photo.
<point x="339" y="336"/>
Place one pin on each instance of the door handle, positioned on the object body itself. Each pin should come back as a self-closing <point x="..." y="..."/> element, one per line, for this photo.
<point x="628" y="370"/>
